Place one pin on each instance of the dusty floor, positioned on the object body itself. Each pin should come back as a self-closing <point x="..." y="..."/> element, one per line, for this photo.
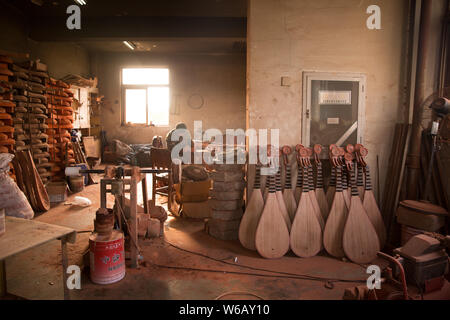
<point x="37" y="274"/>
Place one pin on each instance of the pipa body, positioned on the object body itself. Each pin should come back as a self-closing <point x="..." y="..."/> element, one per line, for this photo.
<point x="373" y="212"/>
<point x="320" y="194"/>
<point x="313" y="199"/>
<point x="345" y="192"/>
<point x="331" y="188"/>
<point x="360" y="182"/>
<point x="272" y="234"/>
<point x="298" y="187"/>
<point x="288" y="195"/>
<point x="282" y="205"/>
<point x="335" y="224"/>
<point x="250" y="219"/>
<point x="306" y="233"/>
<point x="360" y="240"/>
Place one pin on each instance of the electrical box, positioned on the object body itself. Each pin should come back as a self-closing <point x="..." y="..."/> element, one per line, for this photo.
<point x="333" y="108"/>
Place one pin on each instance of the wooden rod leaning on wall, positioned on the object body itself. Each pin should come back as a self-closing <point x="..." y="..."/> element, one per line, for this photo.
<point x="413" y="161"/>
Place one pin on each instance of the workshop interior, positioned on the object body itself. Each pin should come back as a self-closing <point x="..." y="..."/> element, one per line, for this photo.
<point x="224" y="150"/>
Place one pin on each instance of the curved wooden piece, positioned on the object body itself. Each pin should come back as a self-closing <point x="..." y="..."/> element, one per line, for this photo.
<point x="334" y="227"/>
<point x="250" y="220"/>
<point x="373" y="212"/>
<point x="360" y="240"/>
<point x="288" y="195"/>
<point x="306" y="233"/>
<point x="282" y="205"/>
<point x="272" y="235"/>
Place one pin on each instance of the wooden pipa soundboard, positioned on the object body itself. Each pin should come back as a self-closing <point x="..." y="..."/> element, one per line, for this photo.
<point x="250" y="219"/>
<point x="272" y="234"/>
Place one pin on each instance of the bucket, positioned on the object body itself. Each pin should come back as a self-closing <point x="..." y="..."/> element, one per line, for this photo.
<point x="2" y="222"/>
<point x="107" y="257"/>
<point x="57" y="191"/>
<point x="409" y="232"/>
<point x="76" y="183"/>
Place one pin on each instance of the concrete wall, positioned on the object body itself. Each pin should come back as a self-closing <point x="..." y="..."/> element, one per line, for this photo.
<point x="288" y="37"/>
<point x="220" y="79"/>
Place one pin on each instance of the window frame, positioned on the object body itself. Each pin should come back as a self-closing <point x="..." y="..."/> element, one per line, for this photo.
<point x="124" y="87"/>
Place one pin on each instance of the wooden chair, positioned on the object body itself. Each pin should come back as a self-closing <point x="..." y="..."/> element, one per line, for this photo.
<point x="161" y="159"/>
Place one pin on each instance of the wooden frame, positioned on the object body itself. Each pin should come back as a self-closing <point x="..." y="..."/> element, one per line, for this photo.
<point x="309" y="76"/>
<point x="124" y="87"/>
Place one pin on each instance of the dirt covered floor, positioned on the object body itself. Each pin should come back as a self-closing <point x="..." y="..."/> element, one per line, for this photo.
<point x="186" y="263"/>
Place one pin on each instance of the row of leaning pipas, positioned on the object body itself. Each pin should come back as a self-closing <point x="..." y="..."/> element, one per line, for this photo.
<point x="345" y="220"/>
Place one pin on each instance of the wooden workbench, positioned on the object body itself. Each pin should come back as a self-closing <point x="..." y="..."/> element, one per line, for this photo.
<point x="22" y="234"/>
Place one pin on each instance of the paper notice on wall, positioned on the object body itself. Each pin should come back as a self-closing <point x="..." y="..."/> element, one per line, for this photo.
<point x="332" y="120"/>
<point x="328" y="97"/>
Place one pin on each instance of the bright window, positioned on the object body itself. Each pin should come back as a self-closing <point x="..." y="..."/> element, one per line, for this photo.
<point x="146" y="96"/>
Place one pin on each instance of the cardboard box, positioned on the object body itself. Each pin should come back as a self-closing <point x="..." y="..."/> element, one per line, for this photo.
<point x="193" y="191"/>
<point x="196" y="210"/>
<point x="92" y="147"/>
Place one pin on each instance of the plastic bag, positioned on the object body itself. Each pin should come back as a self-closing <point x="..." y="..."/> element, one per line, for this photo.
<point x="12" y="199"/>
<point x="81" y="201"/>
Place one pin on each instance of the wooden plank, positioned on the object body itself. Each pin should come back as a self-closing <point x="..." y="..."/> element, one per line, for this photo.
<point x="22" y="234"/>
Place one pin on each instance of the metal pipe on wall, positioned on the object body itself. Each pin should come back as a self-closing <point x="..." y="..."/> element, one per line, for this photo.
<point x="413" y="160"/>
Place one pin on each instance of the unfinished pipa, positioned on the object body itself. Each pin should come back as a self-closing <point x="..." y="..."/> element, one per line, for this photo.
<point x="288" y="193"/>
<point x="334" y="227"/>
<point x="360" y="181"/>
<point x="331" y="187"/>
<point x="320" y="194"/>
<point x="279" y="194"/>
<point x="373" y="212"/>
<point x="250" y="219"/>
<point x="265" y="192"/>
<point x="306" y="233"/>
<point x="345" y="185"/>
<point x="360" y="240"/>
<point x="272" y="234"/>
<point x="298" y="186"/>
<point x="313" y="199"/>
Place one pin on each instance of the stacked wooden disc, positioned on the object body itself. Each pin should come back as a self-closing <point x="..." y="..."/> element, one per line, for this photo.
<point x="60" y="122"/>
<point x="30" y="114"/>
<point x="6" y="107"/>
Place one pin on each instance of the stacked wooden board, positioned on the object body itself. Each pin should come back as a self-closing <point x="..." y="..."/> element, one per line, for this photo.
<point x="60" y="123"/>
<point x="345" y="220"/>
<point x="30" y="114"/>
<point x="6" y="108"/>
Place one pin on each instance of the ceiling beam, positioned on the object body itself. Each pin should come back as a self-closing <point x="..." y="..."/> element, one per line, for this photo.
<point x="134" y="28"/>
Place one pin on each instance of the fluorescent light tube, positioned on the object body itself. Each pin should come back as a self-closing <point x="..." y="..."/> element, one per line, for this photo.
<point x="129" y="45"/>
